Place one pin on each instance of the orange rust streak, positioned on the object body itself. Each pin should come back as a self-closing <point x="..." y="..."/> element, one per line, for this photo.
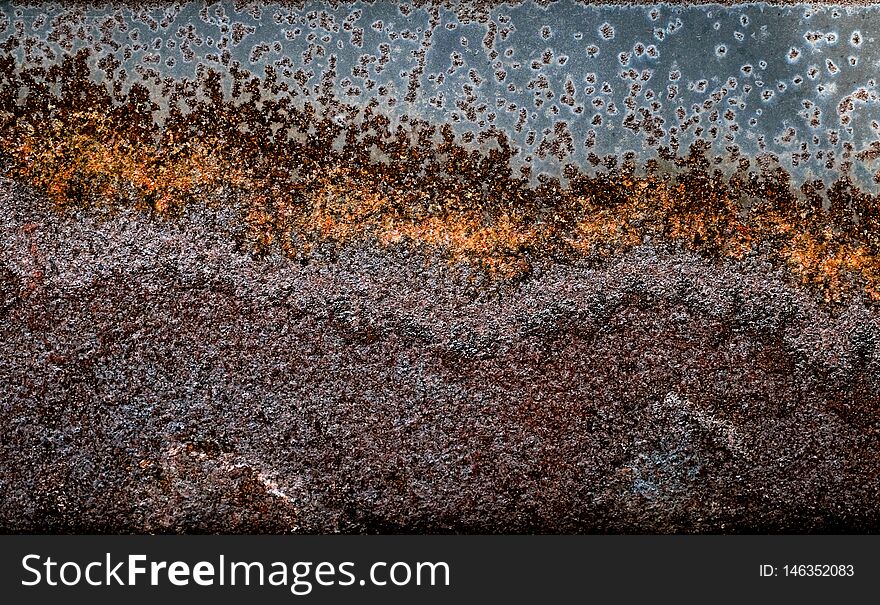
<point x="82" y="159"/>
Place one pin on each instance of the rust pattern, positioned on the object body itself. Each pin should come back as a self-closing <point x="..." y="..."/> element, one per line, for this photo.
<point x="303" y="188"/>
<point x="226" y="307"/>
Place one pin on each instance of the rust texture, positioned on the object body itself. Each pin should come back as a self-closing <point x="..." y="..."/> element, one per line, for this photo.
<point x="465" y="204"/>
<point x="363" y="324"/>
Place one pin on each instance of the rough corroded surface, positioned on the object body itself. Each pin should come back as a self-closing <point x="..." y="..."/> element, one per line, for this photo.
<point x="759" y="150"/>
<point x="450" y="266"/>
<point x="156" y="379"/>
<point x="792" y="86"/>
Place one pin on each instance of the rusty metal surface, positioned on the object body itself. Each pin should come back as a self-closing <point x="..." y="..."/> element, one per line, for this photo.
<point x="245" y="301"/>
<point x="158" y="380"/>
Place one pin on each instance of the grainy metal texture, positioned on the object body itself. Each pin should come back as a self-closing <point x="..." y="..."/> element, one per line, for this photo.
<point x="236" y="297"/>
<point x="157" y="380"/>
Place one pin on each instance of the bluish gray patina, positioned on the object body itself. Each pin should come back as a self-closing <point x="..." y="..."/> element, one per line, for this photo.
<point x="792" y="83"/>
